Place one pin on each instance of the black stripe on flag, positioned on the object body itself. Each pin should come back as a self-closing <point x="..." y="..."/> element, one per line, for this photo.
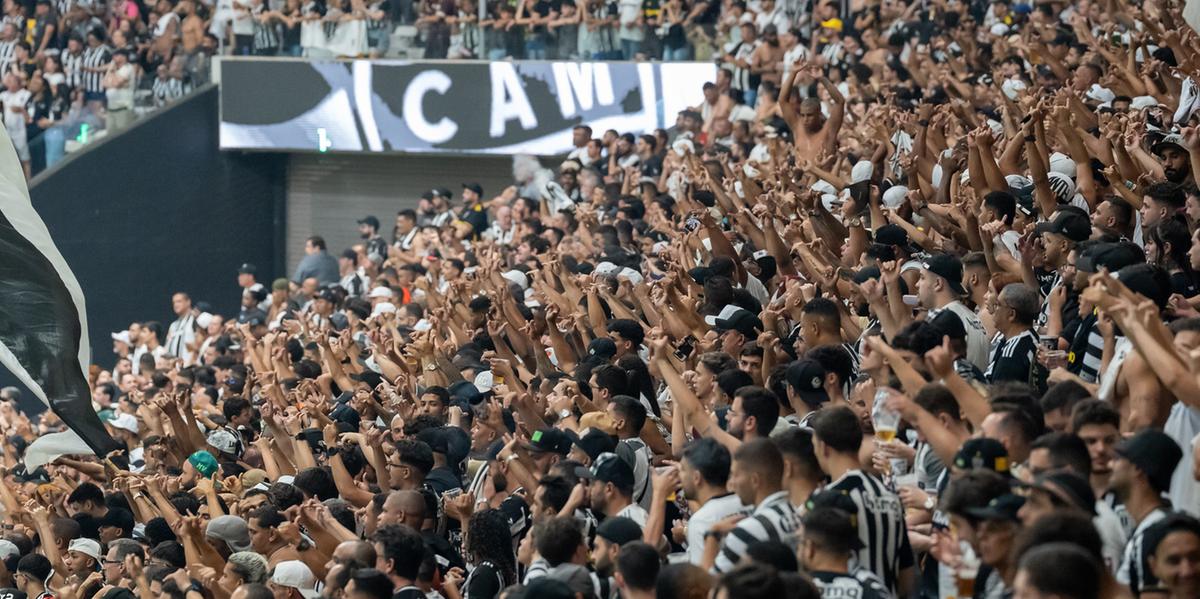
<point x="40" y="324"/>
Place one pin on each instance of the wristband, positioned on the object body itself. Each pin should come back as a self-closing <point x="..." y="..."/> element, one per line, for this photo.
<point x="1030" y="138"/>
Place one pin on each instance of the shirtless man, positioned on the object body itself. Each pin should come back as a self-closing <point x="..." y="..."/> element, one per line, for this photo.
<point x="768" y="57"/>
<point x="716" y="105"/>
<point x="193" y="27"/>
<point x="812" y="133"/>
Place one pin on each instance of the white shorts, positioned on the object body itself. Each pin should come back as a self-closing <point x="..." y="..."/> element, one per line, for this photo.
<point x="22" y="147"/>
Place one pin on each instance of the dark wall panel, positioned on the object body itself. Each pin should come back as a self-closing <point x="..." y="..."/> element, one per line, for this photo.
<point x="159" y="209"/>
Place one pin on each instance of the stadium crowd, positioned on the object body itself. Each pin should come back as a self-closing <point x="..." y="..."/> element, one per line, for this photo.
<point x="909" y="312"/>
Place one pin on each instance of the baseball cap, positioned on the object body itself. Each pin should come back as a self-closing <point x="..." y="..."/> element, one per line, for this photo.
<point x="117" y="518"/>
<point x="8" y="549"/>
<point x="834" y="24"/>
<point x="1172" y="140"/>
<point x="949" y="267"/>
<point x="231" y="529"/>
<point x="1112" y="256"/>
<point x="807" y="377"/>
<point x="549" y="440"/>
<point x="223" y="441"/>
<point x="370" y="221"/>
<point x="1067" y="487"/>
<point x="982" y="452"/>
<point x="295" y="574"/>
<point x="380" y="292"/>
<point x="602" y="348"/>
<point x="1146" y="280"/>
<point x="204" y="463"/>
<point x="247" y="269"/>
<point x="253" y="316"/>
<point x="736" y="318"/>
<point x="253" y="477"/>
<point x="619" y="530"/>
<point x="123" y="337"/>
<point x="595" y="442"/>
<point x="1004" y="507"/>
<point x="475" y="187"/>
<point x="124" y="421"/>
<point x="1069" y="224"/>
<point x="1155" y="454"/>
<point x="88" y="547"/>
<point x="608" y="468"/>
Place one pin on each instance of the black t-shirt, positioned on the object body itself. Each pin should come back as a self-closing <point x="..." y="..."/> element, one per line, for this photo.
<point x="89" y="526"/>
<point x="652" y="167"/>
<point x="1015" y="359"/>
<point x="1181" y="284"/>
<point x="408" y="593"/>
<point x="856" y="585"/>
<point x="485" y="582"/>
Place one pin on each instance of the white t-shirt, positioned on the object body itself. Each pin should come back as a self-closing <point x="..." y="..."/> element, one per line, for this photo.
<point x="121" y="96"/>
<point x="716" y="509"/>
<point x="1183" y="425"/>
<point x="629" y="10"/>
<point x="636" y="513"/>
<point x="14" y="122"/>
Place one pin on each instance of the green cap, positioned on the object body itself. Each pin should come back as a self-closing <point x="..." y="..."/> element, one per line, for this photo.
<point x="203" y="462"/>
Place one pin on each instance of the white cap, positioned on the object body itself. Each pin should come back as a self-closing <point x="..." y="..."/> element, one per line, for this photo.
<point x="484" y="381"/>
<point x="1141" y="102"/>
<point x="88" y="547"/>
<point x="726" y="313"/>
<point x="384" y="308"/>
<point x="750" y="170"/>
<point x="286" y="479"/>
<point x="223" y="441"/>
<point x="862" y="171"/>
<point x="1018" y="181"/>
<point x="204" y="319"/>
<point x="295" y="574"/>
<point x="634" y="276"/>
<point x="518" y="277"/>
<point x="123" y="337"/>
<point x="894" y="196"/>
<point x="606" y="268"/>
<point x="999" y="29"/>
<point x="422" y="325"/>
<point x="823" y="186"/>
<point x="1100" y="94"/>
<point x="124" y="421"/>
<point x="683" y="146"/>
<point x="380" y="292"/>
<point x="1061" y="163"/>
<point x="1012" y="86"/>
<point x="8" y="549"/>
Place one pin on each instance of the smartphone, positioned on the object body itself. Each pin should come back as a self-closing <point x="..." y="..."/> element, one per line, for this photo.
<point x="685" y="347"/>
<point x="691" y="224"/>
<point x="1049" y="342"/>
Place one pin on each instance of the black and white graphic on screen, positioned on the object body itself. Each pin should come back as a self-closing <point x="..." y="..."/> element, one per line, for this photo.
<point x="446" y="107"/>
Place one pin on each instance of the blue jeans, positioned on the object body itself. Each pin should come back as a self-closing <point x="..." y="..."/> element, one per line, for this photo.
<point x="629" y="48"/>
<point x="497" y="54"/>
<point x="749" y="97"/>
<point x="535" y="49"/>
<point x="677" y="54"/>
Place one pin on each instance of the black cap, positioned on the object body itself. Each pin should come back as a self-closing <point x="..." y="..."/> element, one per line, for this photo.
<point x="1155" y="454"/>
<point x="602" y="348"/>
<point x="807" y="377"/>
<point x="1069" y="488"/>
<point x="549" y="440"/>
<point x="949" y="324"/>
<point x="369" y="220"/>
<point x="1148" y="281"/>
<point x="821" y="505"/>
<point x="595" y="442"/>
<point x="736" y="318"/>
<point x="475" y="187"/>
<point x="466" y="391"/>
<point x="327" y="294"/>
<point x="1068" y="223"/>
<point x="982" y="452"/>
<point x="247" y="269"/>
<point x="1004" y="507"/>
<point x="1112" y="256"/>
<point x="619" y="530"/>
<point x="118" y="518"/>
<point x="890" y="234"/>
<point x="252" y="317"/>
<point x="608" y="468"/>
<point x="949" y="267"/>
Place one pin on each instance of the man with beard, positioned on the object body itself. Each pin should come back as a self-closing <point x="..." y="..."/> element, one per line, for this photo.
<point x="368" y="230"/>
<point x="756" y="477"/>
<point x="768" y="56"/>
<point x="940" y="289"/>
<point x="1177" y="162"/>
<point x="1141" y="473"/>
